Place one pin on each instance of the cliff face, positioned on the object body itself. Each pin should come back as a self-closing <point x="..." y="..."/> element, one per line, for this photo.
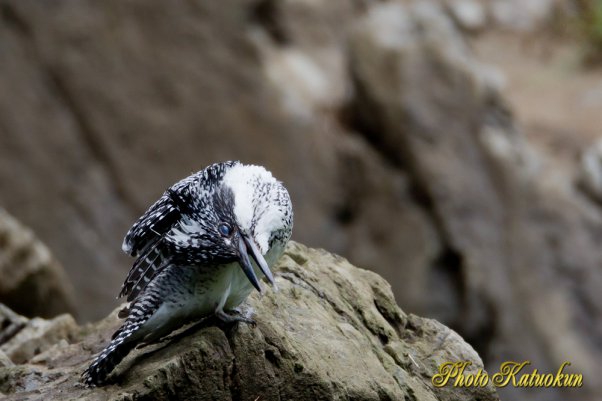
<point x="331" y="332"/>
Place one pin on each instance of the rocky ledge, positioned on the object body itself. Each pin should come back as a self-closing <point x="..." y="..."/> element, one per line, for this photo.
<point x="331" y="332"/>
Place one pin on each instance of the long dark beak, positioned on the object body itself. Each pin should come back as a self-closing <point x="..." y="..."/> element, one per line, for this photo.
<point x="246" y="247"/>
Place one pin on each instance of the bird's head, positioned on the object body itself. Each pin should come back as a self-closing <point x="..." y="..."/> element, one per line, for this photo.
<point x="253" y="212"/>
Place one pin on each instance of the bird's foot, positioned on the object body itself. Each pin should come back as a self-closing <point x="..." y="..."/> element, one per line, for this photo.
<point x="152" y="342"/>
<point x="233" y="318"/>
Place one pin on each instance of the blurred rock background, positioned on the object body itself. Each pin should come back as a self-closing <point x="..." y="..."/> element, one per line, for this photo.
<point x="449" y="146"/>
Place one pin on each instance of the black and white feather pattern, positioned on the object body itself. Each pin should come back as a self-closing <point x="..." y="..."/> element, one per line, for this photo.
<point x="156" y="238"/>
<point x="124" y="339"/>
<point x="185" y="267"/>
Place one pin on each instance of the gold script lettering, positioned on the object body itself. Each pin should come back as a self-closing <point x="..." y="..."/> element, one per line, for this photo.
<point x="447" y="370"/>
<point x="508" y="372"/>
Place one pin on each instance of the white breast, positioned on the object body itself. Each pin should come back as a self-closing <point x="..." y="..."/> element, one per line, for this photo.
<point x="240" y="286"/>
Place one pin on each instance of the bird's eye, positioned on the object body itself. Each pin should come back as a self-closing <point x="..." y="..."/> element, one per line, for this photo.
<point x="224" y="229"/>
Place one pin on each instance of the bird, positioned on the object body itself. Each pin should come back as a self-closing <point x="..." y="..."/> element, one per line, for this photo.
<point x="199" y="250"/>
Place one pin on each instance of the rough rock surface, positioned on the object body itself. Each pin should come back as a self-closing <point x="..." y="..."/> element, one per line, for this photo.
<point x="519" y="241"/>
<point x="392" y="138"/>
<point x="510" y="15"/>
<point x="331" y="332"/>
<point x="590" y="173"/>
<point x="32" y="282"/>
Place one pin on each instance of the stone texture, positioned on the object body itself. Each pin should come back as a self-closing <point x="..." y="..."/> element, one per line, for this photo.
<point x="470" y="15"/>
<point x="37" y="336"/>
<point x="525" y="16"/>
<point x="32" y="282"/>
<point x="507" y="220"/>
<point x="590" y="173"/>
<point x="522" y="15"/>
<point x="331" y="332"/>
<point x="119" y="114"/>
<point x="393" y="140"/>
<point x="105" y="112"/>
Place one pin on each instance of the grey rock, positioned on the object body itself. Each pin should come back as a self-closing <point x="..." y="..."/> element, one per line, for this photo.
<point x="471" y="15"/>
<point x="120" y="104"/>
<point x="393" y="140"/>
<point x="32" y="282"/>
<point x="36" y="336"/>
<point x="511" y="241"/>
<point x="331" y="332"/>
<point x="522" y="15"/>
<point x="590" y="172"/>
<point x="5" y="361"/>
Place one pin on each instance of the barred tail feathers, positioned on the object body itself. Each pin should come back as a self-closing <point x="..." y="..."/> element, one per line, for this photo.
<point x="136" y="328"/>
<point x="121" y="345"/>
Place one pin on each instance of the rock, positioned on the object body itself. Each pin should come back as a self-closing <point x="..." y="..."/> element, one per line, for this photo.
<point x="37" y="336"/>
<point x="471" y="15"/>
<point x="32" y="282"/>
<point x="590" y="173"/>
<point x="10" y="322"/>
<point x="393" y="140"/>
<point x="522" y="15"/>
<point x="514" y="235"/>
<point x="5" y="361"/>
<point x="332" y="331"/>
<point x="21" y="339"/>
<point x="108" y="131"/>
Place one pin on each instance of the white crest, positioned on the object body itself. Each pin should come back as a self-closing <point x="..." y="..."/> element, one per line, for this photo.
<point x="258" y="202"/>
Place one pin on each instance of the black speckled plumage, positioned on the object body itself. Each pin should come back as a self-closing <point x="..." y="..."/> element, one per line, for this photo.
<point x="185" y="267"/>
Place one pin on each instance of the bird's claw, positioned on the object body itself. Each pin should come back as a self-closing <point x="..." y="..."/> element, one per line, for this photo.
<point x="237" y="317"/>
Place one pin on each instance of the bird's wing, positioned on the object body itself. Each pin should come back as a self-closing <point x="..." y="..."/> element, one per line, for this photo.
<point x="156" y="222"/>
<point x="145" y="268"/>
<point x="149" y="238"/>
